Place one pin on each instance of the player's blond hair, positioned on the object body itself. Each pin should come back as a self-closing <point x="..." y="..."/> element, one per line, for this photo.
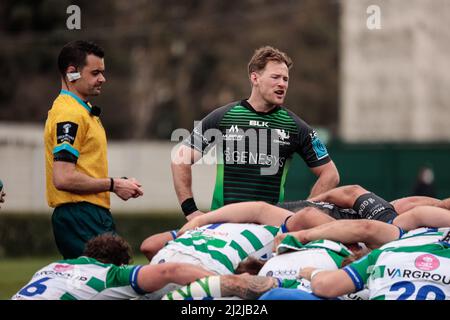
<point x="265" y="54"/>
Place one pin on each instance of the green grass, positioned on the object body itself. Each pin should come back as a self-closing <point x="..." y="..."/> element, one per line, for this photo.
<point x="16" y="272"/>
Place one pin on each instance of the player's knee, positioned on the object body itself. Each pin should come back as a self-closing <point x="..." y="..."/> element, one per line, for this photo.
<point x="409" y="219"/>
<point x="312" y="215"/>
<point x="309" y="212"/>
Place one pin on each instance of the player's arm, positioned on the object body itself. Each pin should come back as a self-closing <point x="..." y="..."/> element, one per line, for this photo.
<point x="181" y="166"/>
<point x="258" y="212"/>
<point x="156" y="242"/>
<point x="405" y="204"/>
<point x="423" y="216"/>
<point x="327" y="178"/>
<point x="373" y="233"/>
<point x="67" y="178"/>
<point x="351" y="278"/>
<point x="203" y="136"/>
<point x="316" y="156"/>
<point x="153" y="277"/>
<point x="329" y="284"/>
<point x="445" y="204"/>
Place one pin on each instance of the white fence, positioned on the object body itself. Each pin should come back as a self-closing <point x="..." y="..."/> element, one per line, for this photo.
<point x="22" y="170"/>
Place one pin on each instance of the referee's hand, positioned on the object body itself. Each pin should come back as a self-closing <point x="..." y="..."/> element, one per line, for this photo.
<point x="2" y="197"/>
<point x="127" y="188"/>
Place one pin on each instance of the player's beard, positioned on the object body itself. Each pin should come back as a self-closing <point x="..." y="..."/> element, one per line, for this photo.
<point x="271" y="99"/>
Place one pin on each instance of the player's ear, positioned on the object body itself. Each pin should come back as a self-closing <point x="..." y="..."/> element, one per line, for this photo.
<point x="254" y="77"/>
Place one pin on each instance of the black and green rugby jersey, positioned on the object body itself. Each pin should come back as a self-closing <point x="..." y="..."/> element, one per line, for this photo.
<point x="254" y="150"/>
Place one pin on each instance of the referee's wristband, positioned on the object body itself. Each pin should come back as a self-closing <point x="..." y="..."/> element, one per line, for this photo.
<point x="188" y="206"/>
<point x="111" y="186"/>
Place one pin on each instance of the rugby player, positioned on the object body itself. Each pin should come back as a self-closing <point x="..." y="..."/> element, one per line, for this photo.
<point x="103" y="273"/>
<point x="411" y="271"/>
<point x="256" y="139"/>
<point x="280" y="271"/>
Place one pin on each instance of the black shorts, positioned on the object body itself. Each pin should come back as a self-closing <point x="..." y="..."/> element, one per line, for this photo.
<point x="372" y="207"/>
<point x="329" y="208"/>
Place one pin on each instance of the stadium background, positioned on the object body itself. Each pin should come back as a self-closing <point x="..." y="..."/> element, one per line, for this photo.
<point x="379" y="97"/>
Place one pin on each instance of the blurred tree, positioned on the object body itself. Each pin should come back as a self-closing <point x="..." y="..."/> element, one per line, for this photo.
<point x="169" y="62"/>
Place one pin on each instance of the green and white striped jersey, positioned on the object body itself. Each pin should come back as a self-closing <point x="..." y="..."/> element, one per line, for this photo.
<point x="417" y="237"/>
<point x="82" y="279"/>
<point x="221" y="247"/>
<point x="293" y="255"/>
<point x="322" y="254"/>
<point x="418" y="272"/>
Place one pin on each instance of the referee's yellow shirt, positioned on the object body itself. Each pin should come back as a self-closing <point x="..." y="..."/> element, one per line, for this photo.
<point x="71" y="127"/>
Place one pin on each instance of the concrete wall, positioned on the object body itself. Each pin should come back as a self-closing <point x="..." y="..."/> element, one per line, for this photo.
<point x="395" y="80"/>
<point x="22" y="170"/>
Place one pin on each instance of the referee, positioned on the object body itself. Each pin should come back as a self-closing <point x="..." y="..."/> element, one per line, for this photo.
<point x="78" y="186"/>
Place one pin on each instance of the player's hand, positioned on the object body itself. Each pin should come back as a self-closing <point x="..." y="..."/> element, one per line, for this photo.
<point x="192" y="223"/>
<point x="127" y="188"/>
<point x="277" y="240"/>
<point x="301" y="236"/>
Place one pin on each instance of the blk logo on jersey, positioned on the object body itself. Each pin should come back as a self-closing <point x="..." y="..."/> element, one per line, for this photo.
<point x="259" y="123"/>
<point x="427" y="262"/>
<point x="66" y="132"/>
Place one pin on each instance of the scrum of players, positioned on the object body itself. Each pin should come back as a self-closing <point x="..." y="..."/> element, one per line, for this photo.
<point x="346" y="243"/>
